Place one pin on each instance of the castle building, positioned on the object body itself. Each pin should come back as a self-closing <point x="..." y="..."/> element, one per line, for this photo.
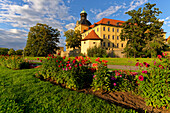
<point x="104" y="33"/>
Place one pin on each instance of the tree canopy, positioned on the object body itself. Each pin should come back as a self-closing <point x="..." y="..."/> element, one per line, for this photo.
<point x="4" y="51"/>
<point x="42" y="40"/>
<point x="11" y="51"/>
<point x="143" y="32"/>
<point x="73" y="38"/>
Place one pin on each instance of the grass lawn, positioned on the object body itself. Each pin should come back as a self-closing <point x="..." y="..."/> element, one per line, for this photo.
<point x="20" y="91"/>
<point x="115" y="61"/>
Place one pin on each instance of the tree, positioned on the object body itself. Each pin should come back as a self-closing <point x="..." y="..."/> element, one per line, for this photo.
<point x="11" y="51"/>
<point x="19" y="52"/>
<point x="42" y="40"/>
<point x="73" y="38"/>
<point x="143" y="31"/>
<point x="4" y="51"/>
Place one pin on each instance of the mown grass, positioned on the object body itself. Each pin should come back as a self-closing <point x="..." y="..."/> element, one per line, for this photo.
<point x="115" y="61"/>
<point x="21" y="92"/>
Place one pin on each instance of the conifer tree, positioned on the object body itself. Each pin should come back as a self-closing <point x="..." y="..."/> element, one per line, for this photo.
<point x="143" y="32"/>
<point x="42" y="40"/>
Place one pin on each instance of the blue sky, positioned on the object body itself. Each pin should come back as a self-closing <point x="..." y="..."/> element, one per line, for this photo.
<point x="17" y="16"/>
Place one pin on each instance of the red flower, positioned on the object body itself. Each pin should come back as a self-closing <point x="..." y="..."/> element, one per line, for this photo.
<point x="37" y="58"/>
<point x="97" y="59"/>
<point x="69" y="58"/>
<point x="62" y="64"/>
<point x="80" y="65"/>
<point x="144" y="63"/>
<point x="104" y="61"/>
<point x="70" y="68"/>
<point x="161" y="67"/>
<point x="147" y="65"/>
<point x="60" y="61"/>
<point x="56" y="60"/>
<point x="75" y="66"/>
<point x="68" y="62"/>
<point x="74" y="61"/>
<point x="49" y="55"/>
<point x="144" y="72"/>
<point x="67" y="65"/>
<point x="137" y="64"/>
<point x="141" y="64"/>
<point x="59" y="66"/>
<point x="55" y="57"/>
<point x="52" y="56"/>
<point x="159" y="56"/>
<point x="94" y="65"/>
<point x="164" y="54"/>
<point x="141" y="78"/>
<point x="48" y="58"/>
<point x="58" y="53"/>
<point x="40" y="60"/>
<point x="76" y="57"/>
<point x="64" y="57"/>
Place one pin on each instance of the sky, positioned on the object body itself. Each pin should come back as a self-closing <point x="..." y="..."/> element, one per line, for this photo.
<point x="17" y="16"/>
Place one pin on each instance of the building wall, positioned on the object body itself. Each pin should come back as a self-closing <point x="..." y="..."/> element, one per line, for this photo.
<point x="89" y="44"/>
<point x="107" y="36"/>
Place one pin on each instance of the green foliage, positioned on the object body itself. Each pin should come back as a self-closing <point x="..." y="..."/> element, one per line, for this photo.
<point x="73" y="38"/>
<point x="13" y="62"/>
<point x="21" y="92"/>
<point x="4" y="51"/>
<point x="11" y="51"/>
<point x="19" y="52"/>
<point x="96" y="52"/>
<point x="143" y="32"/>
<point x="154" y="83"/>
<point x="42" y="40"/>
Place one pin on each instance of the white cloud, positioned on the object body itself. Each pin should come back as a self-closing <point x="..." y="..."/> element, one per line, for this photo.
<point x="95" y="11"/>
<point x="13" y="38"/>
<point x="70" y="26"/>
<point x="136" y="3"/>
<point x="111" y="10"/>
<point x="167" y="18"/>
<point x="51" y="12"/>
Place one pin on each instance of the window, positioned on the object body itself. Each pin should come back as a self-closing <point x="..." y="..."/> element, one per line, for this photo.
<point x="103" y="43"/>
<point x="113" y="45"/>
<point x="108" y="36"/>
<point x="108" y="28"/>
<point x="94" y="30"/>
<point x="117" y="30"/>
<point x="97" y="29"/>
<point x="113" y="37"/>
<point x="117" y="45"/>
<point x="93" y="42"/>
<point x="113" y="29"/>
<point x="122" y="44"/>
<point x="117" y="37"/>
<point x="109" y="44"/>
<point x="103" y="36"/>
<point x="103" y="28"/>
<point x="84" y="42"/>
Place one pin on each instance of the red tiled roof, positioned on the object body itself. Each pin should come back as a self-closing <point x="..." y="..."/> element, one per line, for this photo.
<point x="112" y="21"/>
<point x="105" y="21"/>
<point x="92" y="36"/>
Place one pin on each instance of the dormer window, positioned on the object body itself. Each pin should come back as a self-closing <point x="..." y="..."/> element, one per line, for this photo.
<point x="108" y="22"/>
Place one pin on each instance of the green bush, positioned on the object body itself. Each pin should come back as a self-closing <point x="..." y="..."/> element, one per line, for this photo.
<point x="154" y="82"/>
<point x="13" y="62"/>
<point x="19" y="52"/>
<point x="11" y="51"/>
<point x="4" y="51"/>
<point x="96" y="52"/>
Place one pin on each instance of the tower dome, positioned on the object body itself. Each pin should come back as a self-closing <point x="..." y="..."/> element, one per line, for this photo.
<point x="84" y="20"/>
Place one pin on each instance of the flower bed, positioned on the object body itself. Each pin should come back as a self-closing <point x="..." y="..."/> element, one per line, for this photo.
<point x="13" y="62"/>
<point x="151" y="81"/>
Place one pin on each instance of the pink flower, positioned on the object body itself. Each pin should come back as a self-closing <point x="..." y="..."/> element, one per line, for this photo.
<point x="113" y="78"/>
<point x="66" y="69"/>
<point x="144" y="72"/>
<point x="37" y="58"/>
<point x="159" y="56"/>
<point x="154" y="62"/>
<point x="147" y="65"/>
<point x="63" y="69"/>
<point x="40" y="60"/>
<point x="94" y="76"/>
<point x="141" y="78"/>
<point x="120" y="75"/>
<point x="114" y="84"/>
<point x="141" y="65"/>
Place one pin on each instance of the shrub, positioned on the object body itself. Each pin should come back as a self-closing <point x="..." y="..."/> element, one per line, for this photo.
<point x="11" y="51"/>
<point x="13" y="62"/>
<point x="154" y="82"/>
<point x="4" y="51"/>
<point x="96" y="52"/>
<point x="19" y="52"/>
